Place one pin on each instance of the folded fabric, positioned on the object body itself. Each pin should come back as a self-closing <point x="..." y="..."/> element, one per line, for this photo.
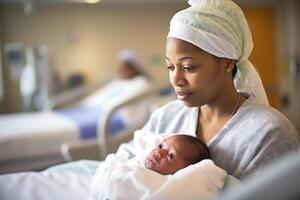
<point x="119" y="178"/>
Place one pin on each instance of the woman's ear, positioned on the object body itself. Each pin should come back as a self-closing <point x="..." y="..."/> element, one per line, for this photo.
<point x="229" y="64"/>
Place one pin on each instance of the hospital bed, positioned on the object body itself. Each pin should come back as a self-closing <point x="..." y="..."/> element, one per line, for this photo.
<point x="32" y="141"/>
<point x="106" y="143"/>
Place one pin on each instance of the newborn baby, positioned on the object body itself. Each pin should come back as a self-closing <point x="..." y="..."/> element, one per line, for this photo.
<point x="162" y="165"/>
<point x="175" y="153"/>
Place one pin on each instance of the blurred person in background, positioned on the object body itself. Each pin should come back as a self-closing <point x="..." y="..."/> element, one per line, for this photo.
<point x="132" y="80"/>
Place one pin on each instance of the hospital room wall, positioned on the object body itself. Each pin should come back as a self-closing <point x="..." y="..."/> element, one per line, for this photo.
<point x="275" y="27"/>
<point x="86" y="39"/>
<point x="288" y="54"/>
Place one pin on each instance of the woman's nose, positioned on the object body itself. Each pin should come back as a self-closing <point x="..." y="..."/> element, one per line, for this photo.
<point x="177" y="77"/>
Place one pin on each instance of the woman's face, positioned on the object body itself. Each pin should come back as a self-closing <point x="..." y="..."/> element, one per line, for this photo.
<point x="126" y="71"/>
<point x="197" y="76"/>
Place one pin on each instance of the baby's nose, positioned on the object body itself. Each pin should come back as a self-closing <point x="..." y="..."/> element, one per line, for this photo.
<point x="158" y="153"/>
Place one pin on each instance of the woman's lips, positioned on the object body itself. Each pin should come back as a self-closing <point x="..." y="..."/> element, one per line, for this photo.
<point x="183" y="95"/>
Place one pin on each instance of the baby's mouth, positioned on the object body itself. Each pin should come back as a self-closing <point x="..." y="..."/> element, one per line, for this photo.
<point x="150" y="163"/>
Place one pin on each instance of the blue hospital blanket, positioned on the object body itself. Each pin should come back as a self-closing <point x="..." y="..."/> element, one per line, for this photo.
<point x="87" y="119"/>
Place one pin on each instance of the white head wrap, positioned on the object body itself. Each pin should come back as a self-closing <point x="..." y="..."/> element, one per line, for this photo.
<point x="135" y="62"/>
<point x="219" y="27"/>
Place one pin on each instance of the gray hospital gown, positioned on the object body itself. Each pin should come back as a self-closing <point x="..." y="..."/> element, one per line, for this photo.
<point x="254" y="136"/>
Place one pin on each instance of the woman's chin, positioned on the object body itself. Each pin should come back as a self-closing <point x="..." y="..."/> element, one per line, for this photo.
<point x="190" y="104"/>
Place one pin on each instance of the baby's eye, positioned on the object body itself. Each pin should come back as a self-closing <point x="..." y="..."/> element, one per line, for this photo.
<point x="159" y="146"/>
<point x="170" y="156"/>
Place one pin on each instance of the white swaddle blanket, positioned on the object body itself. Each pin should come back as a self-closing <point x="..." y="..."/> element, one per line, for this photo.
<point x="120" y="178"/>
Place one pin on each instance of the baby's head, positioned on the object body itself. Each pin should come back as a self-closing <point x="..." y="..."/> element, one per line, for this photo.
<point x="175" y="153"/>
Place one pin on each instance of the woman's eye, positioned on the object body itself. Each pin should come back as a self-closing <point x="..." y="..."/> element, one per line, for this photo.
<point x="170" y="68"/>
<point x="188" y="68"/>
<point x="170" y="156"/>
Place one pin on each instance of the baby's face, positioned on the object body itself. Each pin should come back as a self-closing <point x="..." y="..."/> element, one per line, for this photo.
<point x="169" y="156"/>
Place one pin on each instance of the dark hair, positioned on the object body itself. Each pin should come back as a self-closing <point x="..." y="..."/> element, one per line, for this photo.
<point x="234" y="70"/>
<point x="202" y="151"/>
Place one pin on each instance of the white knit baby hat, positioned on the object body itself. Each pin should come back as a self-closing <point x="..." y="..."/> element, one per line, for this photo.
<point x="219" y="27"/>
<point x="128" y="55"/>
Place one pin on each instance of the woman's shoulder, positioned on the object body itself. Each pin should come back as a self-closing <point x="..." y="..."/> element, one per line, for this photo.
<point x="265" y="118"/>
<point x="264" y="112"/>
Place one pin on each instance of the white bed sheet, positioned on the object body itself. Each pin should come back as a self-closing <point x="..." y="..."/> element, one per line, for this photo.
<point x="48" y="185"/>
<point x="62" y="182"/>
<point x="34" y="134"/>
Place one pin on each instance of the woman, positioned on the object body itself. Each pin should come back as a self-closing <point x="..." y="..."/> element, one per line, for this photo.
<point x="221" y="99"/>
